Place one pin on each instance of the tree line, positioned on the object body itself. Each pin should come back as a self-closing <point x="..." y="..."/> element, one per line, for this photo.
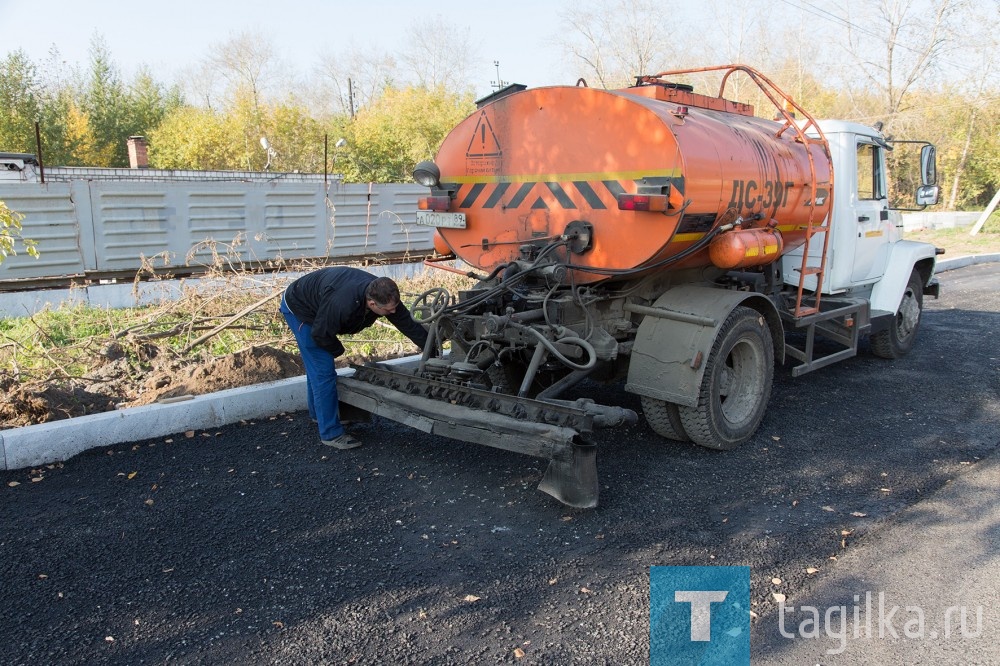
<point x="890" y="62"/>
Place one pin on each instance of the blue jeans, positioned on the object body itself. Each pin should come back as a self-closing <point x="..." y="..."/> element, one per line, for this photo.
<point x="321" y="377"/>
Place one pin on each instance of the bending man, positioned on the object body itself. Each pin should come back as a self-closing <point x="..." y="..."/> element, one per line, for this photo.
<point x="329" y="302"/>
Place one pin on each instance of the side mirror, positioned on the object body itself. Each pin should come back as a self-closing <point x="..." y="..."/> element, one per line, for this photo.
<point x="928" y="166"/>
<point x="927" y="195"/>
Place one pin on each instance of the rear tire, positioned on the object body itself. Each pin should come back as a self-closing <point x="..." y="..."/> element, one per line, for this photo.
<point x="736" y="386"/>
<point x="664" y="418"/>
<point x="897" y="340"/>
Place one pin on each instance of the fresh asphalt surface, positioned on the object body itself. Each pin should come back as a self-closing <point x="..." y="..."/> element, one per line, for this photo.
<point x="253" y="544"/>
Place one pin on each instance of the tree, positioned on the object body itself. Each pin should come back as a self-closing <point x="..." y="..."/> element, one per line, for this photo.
<point x="400" y="129"/>
<point x="361" y="74"/>
<point x="20" y="101"/>
<point x="896" y="45"/>
<point x="248" y="63"/>
<point x="103" y="100"/>
<point x="438" y="54"/>
<point x="613" y="42"/>
<point x="10" y="234"/>
<point x="196" y="138"/>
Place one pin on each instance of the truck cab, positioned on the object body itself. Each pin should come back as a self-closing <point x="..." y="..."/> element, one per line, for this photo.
<point x="867" y="255"/>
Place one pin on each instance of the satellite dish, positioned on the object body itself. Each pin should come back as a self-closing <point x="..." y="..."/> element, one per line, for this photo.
<point x="263" y="143"/>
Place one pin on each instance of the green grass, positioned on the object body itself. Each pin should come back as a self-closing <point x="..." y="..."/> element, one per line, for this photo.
<point x="957" y="242"/>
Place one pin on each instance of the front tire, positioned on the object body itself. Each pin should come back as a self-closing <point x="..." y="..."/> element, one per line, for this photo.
<point x="736" y="386"/>
<point x="897" y="340"/>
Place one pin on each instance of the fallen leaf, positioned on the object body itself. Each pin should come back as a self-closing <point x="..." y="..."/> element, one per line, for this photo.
<point x="110" y="639"/>
<point x="776" y="581"/>
<point x="566" y="519"/>
<point x="858" y="514"/>
<point x="168" y="441"/>
<point x="189" y="434"/>
<point x="585" y="590"/>
<point x="886" y="490"/>
<point x="518" y="653"/>
<point x="278" y="624"/>
<point x="829" y="508"/>
<point x="132" y="475"/>
<point x="43" y="576"/>
<point x="553" y="581"/>
<point x="775" y="438"/>
<point x="149" y="502"/>
<point x="795" y="502"/>
<point x="37" y="479"/>
<point x="470" y="598"/>
<point x="845" y="532"/>
<point x="779" y="597"/>
<point x="14" y="483"/>
<point x="598" y="536"/>
<point x="811" y="570"/>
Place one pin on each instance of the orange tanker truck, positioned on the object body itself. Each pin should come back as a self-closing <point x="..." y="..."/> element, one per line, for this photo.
<point x="655" y="235"/>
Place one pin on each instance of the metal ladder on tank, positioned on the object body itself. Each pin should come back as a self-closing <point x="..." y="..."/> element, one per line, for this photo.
<point x="841" y="322"/>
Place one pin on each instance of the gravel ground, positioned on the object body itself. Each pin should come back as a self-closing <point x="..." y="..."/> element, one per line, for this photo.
<point x="253" y="544"/>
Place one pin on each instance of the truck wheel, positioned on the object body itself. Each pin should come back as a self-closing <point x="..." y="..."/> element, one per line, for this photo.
<point x="664" y="418"/>
<point x="898" y="339"/>
<point x="737" y="383"/>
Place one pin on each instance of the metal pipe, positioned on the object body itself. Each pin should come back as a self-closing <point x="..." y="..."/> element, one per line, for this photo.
<point x="564" y="384"/>
<point x="663" y="313"/>
<point x="529" y="376"/>
<point x="38" y="145"/>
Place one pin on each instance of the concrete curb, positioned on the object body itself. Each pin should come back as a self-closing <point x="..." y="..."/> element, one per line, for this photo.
<point x="968" y="260"/>
<point x="56" y="441"/>
<point x="46" y="443"/>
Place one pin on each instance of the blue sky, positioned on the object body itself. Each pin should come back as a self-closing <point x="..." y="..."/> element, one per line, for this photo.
<point x="171" y="35"/>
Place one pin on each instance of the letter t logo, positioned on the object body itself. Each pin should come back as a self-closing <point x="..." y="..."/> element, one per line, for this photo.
<point x="701" y="610"/>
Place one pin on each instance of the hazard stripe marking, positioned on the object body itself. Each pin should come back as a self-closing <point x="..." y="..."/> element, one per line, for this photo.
<point x="560" y="195"/>
<point x="519" y="196"/>
<point x="565" y="197"/>
<point x="589" y="195"/>
<point x="495" y="197"/>
<point x="539" y="204"/>
<point x="614" y="187"/>
<point x="472" y="195"/>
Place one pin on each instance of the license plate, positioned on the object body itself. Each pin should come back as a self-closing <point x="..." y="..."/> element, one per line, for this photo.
<point x="432" y="218"/>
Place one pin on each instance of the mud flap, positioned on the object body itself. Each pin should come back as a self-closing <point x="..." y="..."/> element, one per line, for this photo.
<point x="574" y="481"/>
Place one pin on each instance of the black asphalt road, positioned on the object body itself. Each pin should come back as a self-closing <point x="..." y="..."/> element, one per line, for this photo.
<point x="253" y="544"/>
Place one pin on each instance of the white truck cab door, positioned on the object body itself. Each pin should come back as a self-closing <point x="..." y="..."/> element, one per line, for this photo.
<point x="870" y="213"/>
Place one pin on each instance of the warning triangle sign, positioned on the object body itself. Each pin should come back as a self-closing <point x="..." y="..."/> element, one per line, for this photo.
<point x="484" y="142"/>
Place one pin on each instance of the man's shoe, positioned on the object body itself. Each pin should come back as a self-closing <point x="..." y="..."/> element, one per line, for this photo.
<point x="345" y="441"/>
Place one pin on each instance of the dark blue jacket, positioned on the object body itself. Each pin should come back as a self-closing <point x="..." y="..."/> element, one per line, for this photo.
<point x="332" y="301"/>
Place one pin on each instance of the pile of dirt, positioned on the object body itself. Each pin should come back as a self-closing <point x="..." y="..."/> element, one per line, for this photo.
<point x="127" y="380"/>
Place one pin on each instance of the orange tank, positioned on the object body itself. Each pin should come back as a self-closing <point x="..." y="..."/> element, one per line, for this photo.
<point x="527" y="165"/>
<point x="743" y="248"/>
